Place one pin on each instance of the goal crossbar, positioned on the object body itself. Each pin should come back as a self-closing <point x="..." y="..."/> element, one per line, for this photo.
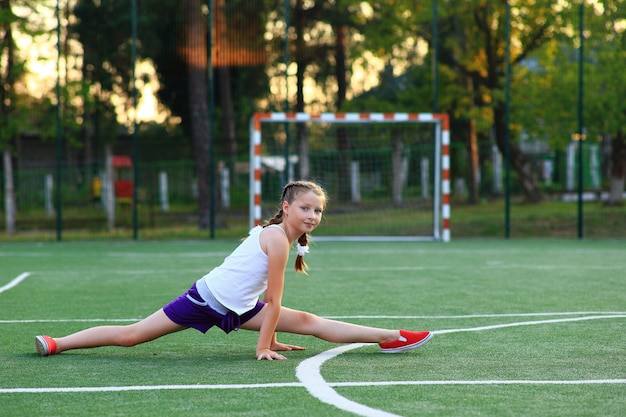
<point x="441" y="197"/>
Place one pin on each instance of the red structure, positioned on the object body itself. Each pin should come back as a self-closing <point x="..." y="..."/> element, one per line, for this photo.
<point x="123" y="178"/>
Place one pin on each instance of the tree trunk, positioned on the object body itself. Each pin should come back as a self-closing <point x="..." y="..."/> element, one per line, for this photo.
<point x="228" y="114"/>
<point x="301" y="138"/>
<point x="618" y="169"/>
<point x="7" y="81"/>
<point x="194" y="52"/>
<point x="109" y="187"/>
<point x="9" y="194"/>
<point x="473" y="165"/>
<point x="519" y="162"/>
<point x="397" y="167"/>
<point x="342" y="138"/>
<point x="228" y="118"/>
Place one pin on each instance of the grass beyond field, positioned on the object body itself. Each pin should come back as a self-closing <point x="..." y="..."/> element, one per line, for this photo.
<point x="523" y="328"/>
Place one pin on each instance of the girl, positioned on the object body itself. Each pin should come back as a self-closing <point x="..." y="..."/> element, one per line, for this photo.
<point x="228" y="296"/>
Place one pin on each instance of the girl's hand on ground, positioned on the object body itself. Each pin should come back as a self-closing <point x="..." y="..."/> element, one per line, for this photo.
<point x="269" y="355"/>
<point x="285" y="347"/>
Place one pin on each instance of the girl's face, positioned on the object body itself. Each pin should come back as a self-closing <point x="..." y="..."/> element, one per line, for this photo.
<point x="305" y="212"/>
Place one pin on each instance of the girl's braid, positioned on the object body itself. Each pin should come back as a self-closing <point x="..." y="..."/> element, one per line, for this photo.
<point x="301" y="266"/>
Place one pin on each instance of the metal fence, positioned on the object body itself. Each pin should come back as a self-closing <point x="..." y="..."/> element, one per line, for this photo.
<point x="168" y="201"/>
<point x="543" y="115"/>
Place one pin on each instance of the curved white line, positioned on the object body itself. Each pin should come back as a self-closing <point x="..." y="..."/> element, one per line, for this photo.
<point x="15" y="281"/>
<point x="308" y="372"/>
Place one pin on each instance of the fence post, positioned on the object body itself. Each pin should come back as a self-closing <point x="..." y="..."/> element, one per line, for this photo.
<point x="48" y="187"/>
<point x="163" y="192"/>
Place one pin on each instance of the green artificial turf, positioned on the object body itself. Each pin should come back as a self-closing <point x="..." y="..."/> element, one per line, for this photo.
<point x="465" y="291"/>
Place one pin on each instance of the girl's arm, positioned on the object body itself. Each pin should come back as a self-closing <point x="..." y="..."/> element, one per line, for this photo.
<point x="277" y="248"/>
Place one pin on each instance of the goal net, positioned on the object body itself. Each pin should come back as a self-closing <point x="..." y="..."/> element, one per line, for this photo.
<point x="386" y="174"/>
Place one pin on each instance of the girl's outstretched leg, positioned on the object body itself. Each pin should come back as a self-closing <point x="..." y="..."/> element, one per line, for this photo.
<point x="300" y="322"/>
<point x="150" y="328"/>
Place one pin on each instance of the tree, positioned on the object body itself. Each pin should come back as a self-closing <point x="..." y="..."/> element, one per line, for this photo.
<point x="472" y="47"/>
<point x="238" y="58"/>
<point x="548" y="84"/>
<point x="194" y="52"/>
<point x="104" y="29"/>
<point x="606" y="57"/>
<point x="13" y="106"/>
<point x="477" y="49"/>
<point x="8" y="126"/>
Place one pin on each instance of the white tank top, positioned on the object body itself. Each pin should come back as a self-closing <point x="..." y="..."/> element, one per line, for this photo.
<point x="240" y="280"/>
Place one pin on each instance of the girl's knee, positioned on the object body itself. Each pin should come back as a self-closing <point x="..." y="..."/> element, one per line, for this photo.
<point x="309" y="322"/>
<point x="129" y="337"/>
<point x="127" y="341"/>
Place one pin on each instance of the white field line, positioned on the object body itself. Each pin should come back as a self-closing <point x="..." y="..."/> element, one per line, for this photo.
<point x="308" y="372"/>
<point x="158" y="255"/>
<point x="300" y="385"/>
<point x="472" y="316"/>
<point x="488" y="266"/>
<point x="29" y="254"/>
<point x="68" y="321"/>
<point x="483" y="382"/>
<point x="465" y="316"/>
<point x="15" y="281"/>
<point x="529" y="323"/>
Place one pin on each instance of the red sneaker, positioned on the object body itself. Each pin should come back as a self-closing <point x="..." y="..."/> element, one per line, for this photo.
<point x="45" y="345"/>
<point x="407" y="341"/>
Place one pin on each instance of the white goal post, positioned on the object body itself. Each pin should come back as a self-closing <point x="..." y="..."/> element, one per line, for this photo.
<point x="441" y="183"/>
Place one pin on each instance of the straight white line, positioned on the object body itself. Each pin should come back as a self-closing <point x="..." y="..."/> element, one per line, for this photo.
<point x="465" y="316"/>
<point x="309" y="370"/>
<point x="471" y="316"/>
<point x="158" y="255"/>
<point x="300" y="385"/>
<point x="146" y="388"/>
<point x="28" y="254"/>
<point x="556" y="267"/>
<point x="16" y="281"/>
<point x="529" y="323"/>
<point x="385" y="268"/>
<point x="445" y="267"/>
<point x="485" y="382"/>
<point x="67" y="321"/>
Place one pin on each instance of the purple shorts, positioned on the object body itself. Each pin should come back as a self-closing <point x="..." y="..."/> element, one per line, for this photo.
<point x="190" y="310"/>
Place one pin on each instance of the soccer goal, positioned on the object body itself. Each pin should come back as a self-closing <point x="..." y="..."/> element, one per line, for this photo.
<point x="387" y="174"/>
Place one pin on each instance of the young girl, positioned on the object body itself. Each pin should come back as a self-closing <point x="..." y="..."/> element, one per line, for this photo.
<point x="228" y="296"/>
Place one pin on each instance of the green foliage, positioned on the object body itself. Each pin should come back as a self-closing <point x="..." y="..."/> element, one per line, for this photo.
<point x="546" y="99"/>
<point x="471" y="65"/>
<point x="11" y="70"/>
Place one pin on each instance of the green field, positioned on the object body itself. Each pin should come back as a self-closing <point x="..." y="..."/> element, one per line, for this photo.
<point x="523" y="328"/>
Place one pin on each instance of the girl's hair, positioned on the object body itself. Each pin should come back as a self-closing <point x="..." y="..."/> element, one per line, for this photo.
<point x="291" y="191"/>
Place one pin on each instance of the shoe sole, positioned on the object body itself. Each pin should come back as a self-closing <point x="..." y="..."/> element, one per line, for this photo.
<point x="408" y="347"/>
<point x="41" y="345"/>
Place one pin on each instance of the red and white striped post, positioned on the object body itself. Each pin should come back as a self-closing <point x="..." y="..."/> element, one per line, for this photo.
<point x="255" y="150"/>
